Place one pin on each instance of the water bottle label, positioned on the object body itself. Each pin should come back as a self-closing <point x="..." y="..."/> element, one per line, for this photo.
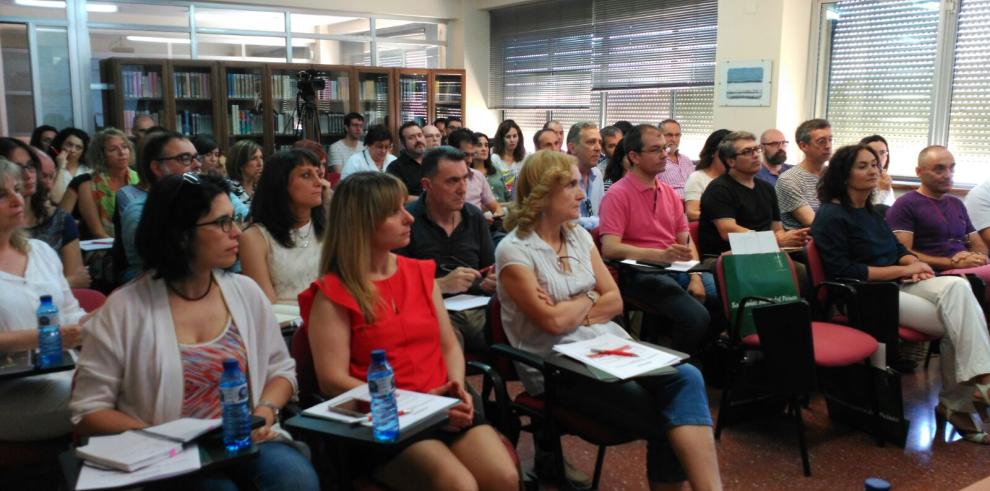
<point x="234" y="395"/>
<point x="44" y="320"/>
<point x="382" y="386"/>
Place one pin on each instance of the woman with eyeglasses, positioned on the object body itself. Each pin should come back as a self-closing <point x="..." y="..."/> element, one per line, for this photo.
<point x="154" y="352"/>
<point x="281" y="248"/>
<point x="32" y="408"/>
<point x="244" y="165"/>
<point x="885" y="187"/>
<point x="709" y="167"/>
<point x="44" y="221"/>
<point x="111" y="155"/>
<point x="69" y="149"/>
<point x="369" y="298"/>
<point x="555" y="288"/>
<point x="376" y="155"/>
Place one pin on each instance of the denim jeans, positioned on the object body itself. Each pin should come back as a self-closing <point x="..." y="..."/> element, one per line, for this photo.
<point x="688" y="318"/>
<point x="645" y="408"/>
<point x="277" y="467"/>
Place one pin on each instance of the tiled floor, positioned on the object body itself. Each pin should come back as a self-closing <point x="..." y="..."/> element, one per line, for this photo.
<point x="764" y="454"/>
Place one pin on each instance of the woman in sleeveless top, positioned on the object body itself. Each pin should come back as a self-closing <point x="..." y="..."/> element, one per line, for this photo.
<point x="370" y="298"/>
<point x="281" y="249"/>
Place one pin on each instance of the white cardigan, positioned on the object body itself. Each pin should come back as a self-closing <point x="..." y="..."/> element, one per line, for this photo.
<point x="130" y="358"/>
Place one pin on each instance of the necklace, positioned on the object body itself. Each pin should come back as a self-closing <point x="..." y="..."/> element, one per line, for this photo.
<point x="190" y="299"/>
<point x="300" y="239"/>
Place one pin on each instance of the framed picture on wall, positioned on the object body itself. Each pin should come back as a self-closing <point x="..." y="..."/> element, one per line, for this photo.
<point x="744" y="83"/>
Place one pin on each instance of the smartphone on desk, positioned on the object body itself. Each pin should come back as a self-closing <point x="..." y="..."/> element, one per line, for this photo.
<point x="355" y="408"/>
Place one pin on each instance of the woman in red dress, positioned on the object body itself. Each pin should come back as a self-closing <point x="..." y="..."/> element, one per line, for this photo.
<point x="369" y="298"/>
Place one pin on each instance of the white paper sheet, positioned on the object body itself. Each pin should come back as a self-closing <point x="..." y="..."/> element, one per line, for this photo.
<point x="128" y="451"/>
<point x="413" y="406"/>
<point x="287" y="314"/>
<point x="96" y="244"/>
<point x="465" y="302"/>
<point x="93" y="478"/>
<point x="682" y="266"/>
<point x="184" y="429"/>
<point x="753" y="243"/>
<point x="644" y="358"/>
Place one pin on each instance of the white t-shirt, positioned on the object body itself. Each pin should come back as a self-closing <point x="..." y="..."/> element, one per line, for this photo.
<point x="978" y="205"/>
<point x="361" y="162"/>
<point x="340" y="152"/>
<point x="533" y="253"/>
<point x="696" y="184"/>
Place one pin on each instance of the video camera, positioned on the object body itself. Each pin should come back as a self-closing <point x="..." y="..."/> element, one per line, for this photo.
<point x="309" y="83"/>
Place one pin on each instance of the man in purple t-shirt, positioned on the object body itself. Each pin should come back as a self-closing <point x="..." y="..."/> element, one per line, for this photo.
<point x="933" y="224"/>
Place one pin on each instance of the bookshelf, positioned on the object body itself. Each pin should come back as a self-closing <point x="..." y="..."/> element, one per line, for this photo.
<point x="244" y="104"/>
<point x="193" y="91"/>
<point x="375" y="96"/>
<point x="138" y="88"/>
<point x="448" y="94"/>
<point x="414" y="96"/>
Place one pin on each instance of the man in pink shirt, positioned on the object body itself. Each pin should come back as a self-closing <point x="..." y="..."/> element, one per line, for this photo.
<point x="679" y="166"/>
<point x="642" y="218"/>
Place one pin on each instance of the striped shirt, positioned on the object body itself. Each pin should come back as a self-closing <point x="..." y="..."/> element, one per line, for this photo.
<point x="796" y="188"/>
<point x="202" y="366"/>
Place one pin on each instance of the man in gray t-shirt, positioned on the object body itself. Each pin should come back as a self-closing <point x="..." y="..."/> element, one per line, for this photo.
<point x="797" y="189"/>
<point x="350" y="144"/>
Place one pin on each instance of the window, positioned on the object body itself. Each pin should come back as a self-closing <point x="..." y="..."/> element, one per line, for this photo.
<point x="969" y="117"/>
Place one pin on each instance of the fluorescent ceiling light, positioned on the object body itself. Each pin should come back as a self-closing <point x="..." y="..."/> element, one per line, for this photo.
<point x="59" y="4"/>
<point x="153" y="39"/>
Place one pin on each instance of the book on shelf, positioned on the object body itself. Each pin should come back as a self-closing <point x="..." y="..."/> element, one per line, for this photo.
<point x="191" y="85"/>
<point x="243" y="85"/>
<point x="141" y="84"/>
<point x="191" y="123"/>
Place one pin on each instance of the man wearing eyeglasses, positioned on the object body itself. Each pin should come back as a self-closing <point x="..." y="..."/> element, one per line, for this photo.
<point x="585" y="143"/>
<point x="774" y="147"/>
<point x="679" y="166"/>
<point x="642" y="218"/>
<point x="797" y="189"/>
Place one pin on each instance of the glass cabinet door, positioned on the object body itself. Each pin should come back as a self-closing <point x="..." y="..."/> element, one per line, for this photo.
<point x="142" y="90"/>
<point x="414" y="100"/>
<point x="286" y="108"/>
<point x="244" y="109"/>
<point x="373" y="97"/>
<point x="334" y="104"/>
<point x="448" y="95"/>
<point x="192" y="87"/>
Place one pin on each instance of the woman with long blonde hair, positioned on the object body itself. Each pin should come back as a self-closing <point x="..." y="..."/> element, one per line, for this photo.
<point x="554" y="289"/>
<point x="369" y="298"/>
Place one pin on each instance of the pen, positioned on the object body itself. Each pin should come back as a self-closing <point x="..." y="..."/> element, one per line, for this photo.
<point x="486" y="269"/>
<point x="623" y="351"/>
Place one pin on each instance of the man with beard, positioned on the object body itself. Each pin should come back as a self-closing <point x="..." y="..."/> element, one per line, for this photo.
<point x="408" y="166"/>
<point x="774" y="147"/>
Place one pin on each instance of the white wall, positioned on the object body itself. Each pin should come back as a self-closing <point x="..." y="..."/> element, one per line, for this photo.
<point x="468" y="43"/>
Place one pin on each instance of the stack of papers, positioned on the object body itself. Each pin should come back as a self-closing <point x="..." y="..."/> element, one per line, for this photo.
<point x="96" y="244"/>
<point x="128" y="451"/>
<point x="94" y="478"/>
<point x="413" y="407"/>
<point x="184" y="430"/>
<point x="465" y="302"/>
<point x="753" y="243"/>
<point x="620" y="357"/>
<point x="682" y="266"/>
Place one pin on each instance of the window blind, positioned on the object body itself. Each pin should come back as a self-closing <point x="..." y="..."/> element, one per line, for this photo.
<point x="969" y="116"/>
<point x="541" y="55"/>
<point x="881" y="75"/>
<point x="529" y="122"/>
<point x="650" y="43"/>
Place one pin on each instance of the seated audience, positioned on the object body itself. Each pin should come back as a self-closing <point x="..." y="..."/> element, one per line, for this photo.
<point x="409" y="166"/>
<point x="369" y="298"/>
<point x="617" y="166"/>
<point x="453" y="123"/>
<point x="280" y="250"/>
<point x="44" y="221"/>
<point x="146" y="366"/>
<point x="316" y="149"/>
<point x="585" y="143"/>
<point x="740" y="202"/>
<point x="342" y="150"/>
<point x="244" y="165"/>
<point x="546" y="139"/>
<point x="679" y="166"/>
<point x="376" y="156"/>
<point x="885" y="188"/>
<point x="141" y="125"/>
<point x="555" y="288"/>
<point x="855" y="242"/>
<point x="482" y="162"/>
<point x="479" y="192"/>
<point x="774" y="147"/>
<point x="111" y="157"/>
<point x="46" y="172"/>
<point x="934" y="225"/>
<point x="42" y="137"/>
<point x="611" y="136"/>
<point x="642" y="218"/>
<point x="508" y="151"/>
<point x="69" y="149"/>
<point x="209" y="155"/>
<point x="433" y="136"/>
<point x="624" y="126"/>
<point x="32" y="408"/>
<point x="455" y="235"/>
<point x="441" y="124"/>
<point x="709" y="168"/>
<point x="557" y="128"/>
<point x="797" y="189"/>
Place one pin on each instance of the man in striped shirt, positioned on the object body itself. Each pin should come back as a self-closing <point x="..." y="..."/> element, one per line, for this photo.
<point x="679" y="166"/>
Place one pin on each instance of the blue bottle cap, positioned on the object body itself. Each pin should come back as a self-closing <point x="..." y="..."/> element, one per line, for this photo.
<point x="46" y="299"/>
<point x="230" y="364"/>
<point x="876" y="484"/>
<point x="377" y="356"/>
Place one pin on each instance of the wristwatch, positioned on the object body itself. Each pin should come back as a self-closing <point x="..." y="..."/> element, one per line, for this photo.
<point x="276" y="411"/>
<point x="593" y="296"/>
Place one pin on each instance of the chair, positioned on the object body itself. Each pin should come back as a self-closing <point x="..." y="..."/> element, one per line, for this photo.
<point x="693" y="230"/>
<point x="552" y="419"/>
<point x="793" y="346"/>
<point x="629" y="304"/>
<point x="89" y="299"/>
<point x="333" y="178"/>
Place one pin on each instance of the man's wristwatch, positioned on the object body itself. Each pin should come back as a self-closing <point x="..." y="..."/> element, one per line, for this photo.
<point x="276" y="411"/>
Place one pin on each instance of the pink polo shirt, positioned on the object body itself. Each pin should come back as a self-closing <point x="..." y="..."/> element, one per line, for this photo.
<point x="641" y="215"/>
<point x="479" y="192"/>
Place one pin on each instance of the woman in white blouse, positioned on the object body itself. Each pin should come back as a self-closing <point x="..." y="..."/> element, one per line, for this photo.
<point x="32" y="408"/>
<point x="709" y="167"/>
<point x="555" y="288"/>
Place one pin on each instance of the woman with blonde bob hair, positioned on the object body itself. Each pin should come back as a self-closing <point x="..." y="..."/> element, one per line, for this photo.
<point x="369" y="298"/>
<point x="555" y="288"/>
<point x="111" y="156"/>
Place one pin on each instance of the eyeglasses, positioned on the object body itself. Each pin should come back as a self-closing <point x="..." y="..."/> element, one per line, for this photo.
<point x="823" y="140"/>
<point x="653" y="150"/>
<point x="226" y="223"/>
<point x="186" y="159"/>
<point x="776" y="144"/>
<point x="749" y="151"/>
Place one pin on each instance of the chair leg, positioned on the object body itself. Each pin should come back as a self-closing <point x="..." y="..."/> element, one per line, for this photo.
<point x="723" y="408"/>
<point x="795" y="408"/>
<point x="599" y="461"/>
<point x="875" y="405"/>
<point x="931" y="350"/>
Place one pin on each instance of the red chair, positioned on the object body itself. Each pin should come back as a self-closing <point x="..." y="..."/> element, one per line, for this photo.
<point x="693" y="230"/>
<point x="629" y="304"/>
<point x="333" y="178"/>
<point x="793" y="346"/>
<point x="89" y="299"/>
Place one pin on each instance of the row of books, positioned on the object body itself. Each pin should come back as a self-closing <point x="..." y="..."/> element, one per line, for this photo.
<point x="192" y="123"/>
<point x="243" y="85"/>
<point x="449" y="92"/>
<point x="374" y="90"/>
<point x="191" y="85"/>
<point x="243" y="122"/>
<point x="446" y="112"/>
<point x="129" y="115"/>
<point x="140" y="84"/>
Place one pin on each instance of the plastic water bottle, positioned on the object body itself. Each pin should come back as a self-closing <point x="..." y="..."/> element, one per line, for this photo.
<point x="236" y="414"/>
<point x="49" y="337"/>
<point x="381" y="386"/>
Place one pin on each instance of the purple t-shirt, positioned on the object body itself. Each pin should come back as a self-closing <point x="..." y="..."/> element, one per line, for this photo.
<point x="940" y="226"/>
